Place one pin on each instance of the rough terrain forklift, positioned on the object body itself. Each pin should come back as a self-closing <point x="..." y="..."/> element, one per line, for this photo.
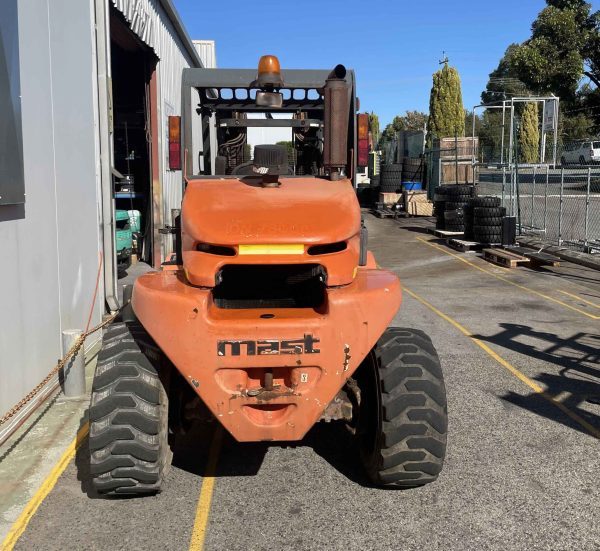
<point x="271" y="314"/>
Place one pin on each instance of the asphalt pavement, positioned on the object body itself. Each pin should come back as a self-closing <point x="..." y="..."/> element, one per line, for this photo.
<point x="519" y="350"/>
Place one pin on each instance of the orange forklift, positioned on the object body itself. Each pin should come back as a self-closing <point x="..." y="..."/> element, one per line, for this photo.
<point x="272" y="314"/>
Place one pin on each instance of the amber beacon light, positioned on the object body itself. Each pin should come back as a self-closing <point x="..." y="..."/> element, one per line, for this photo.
<point x="269" y="71"/>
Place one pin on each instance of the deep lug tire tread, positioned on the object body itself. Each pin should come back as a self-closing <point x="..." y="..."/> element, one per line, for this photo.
<point x="129" y="451"/>
<point x="489" y="212"/>
<point x="486" y="202"/>
<point x="497" y="222"/>
<point x="414" y="422"/>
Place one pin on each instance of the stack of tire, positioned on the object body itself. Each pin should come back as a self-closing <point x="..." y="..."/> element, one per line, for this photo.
<point x="375" y="188"/>
<point x="439" y="203"/>
<point x="487" y="215"/>
<point x="449" y="206"/>
<point x="391" y="178"/>
<point x="412" y="170"/>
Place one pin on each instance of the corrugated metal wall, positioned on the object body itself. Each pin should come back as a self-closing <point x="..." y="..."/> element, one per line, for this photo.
<point x="148" y="19"/>
<point x="206" y="51"/>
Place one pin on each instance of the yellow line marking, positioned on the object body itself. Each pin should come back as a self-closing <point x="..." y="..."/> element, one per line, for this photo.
<point x="521" y="376"/>
<point x="19" y="526"/>
<point x="501" y="278"/>
<point x="208" y="485"/>
<point x="593" y="304"/>
<point x="270" y="249"/>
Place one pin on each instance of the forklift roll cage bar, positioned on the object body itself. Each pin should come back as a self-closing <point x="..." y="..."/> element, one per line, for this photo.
<point x="241" y="88"/>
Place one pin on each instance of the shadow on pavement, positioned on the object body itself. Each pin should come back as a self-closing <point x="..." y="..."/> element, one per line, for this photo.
<point x="416" y="229"/>
<point x="575" y="382"/>
<point x="331" y="441"/>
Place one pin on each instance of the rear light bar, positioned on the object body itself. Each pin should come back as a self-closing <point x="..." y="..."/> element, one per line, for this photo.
<point x="174" y="143"/>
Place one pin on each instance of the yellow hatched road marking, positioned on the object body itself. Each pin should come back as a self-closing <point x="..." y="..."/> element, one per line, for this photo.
<point x="270" y="249"/>
<point x="17" y="529"/>
<point x="521" y="376"/>
<point x="593" y="304"/>
<point x="204" y="501"/>
<point x="502" y="278"/>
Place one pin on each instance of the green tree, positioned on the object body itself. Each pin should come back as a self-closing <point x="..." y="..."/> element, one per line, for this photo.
<point x="411" y="120"/>
<point x="446" y="111"/>
<point x="490" y="136"/>
<point x="389" y="132"/>
<point x="577" y="127"/>
<point x="563" y="47"/>
<point x="290" y="150"/>
<point x="415" y="120"/>
<point x="529" y="136"/>
<point x="504" y="81"/>
<point x="374" y="126"/>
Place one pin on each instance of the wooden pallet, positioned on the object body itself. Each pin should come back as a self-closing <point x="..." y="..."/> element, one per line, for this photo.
<point x="381" y="211"/>
<point x="536" y="258"/>
<point x="445" y="234"/>
<point x="504" y="258"/>
<point x="465" y="246"/>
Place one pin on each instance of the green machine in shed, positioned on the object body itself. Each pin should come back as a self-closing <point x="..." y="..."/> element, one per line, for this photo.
<point x="123" y="239"/>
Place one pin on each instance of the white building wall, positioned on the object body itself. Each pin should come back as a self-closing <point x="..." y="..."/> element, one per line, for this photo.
<point x="50" y="245"/>
<point x="207" y="52"/>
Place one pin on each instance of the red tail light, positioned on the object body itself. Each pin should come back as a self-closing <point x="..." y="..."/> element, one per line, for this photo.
<point x="175" y="143"/>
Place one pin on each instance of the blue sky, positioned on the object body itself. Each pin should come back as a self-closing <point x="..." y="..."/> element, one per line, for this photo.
<point x="394" y="46"/>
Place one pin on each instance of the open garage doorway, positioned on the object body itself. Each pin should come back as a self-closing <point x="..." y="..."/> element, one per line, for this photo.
<point x="135" y="159"/>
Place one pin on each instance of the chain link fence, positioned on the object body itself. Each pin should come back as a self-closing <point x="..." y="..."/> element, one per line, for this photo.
<point x="560" y="205"/>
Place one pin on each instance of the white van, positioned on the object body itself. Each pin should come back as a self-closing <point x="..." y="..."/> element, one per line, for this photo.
<point x="583" y="153"/>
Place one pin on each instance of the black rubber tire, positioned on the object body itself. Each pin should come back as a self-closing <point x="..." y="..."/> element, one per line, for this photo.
<point x="492" y="212"/>
<point x="460" y="189"/>
<point x="129" y="450"/>
<point x="391" y="187"/>
<point x="487" y="239"/>
<point x="464" y="199"/>
<point x="455" y="227"/>
<point x="496" y="221"/>
<point x="487" y="202"/>
<point x="487" y="234"/>
<point x="454" y="215"/>
<point x="394" y="170"/>
<point x="403" y="419"/>
<point x="391" y="178"/>
<point x="439" y="207"/>
<point x="375" y="181"/>
<point x="451" y="205"/>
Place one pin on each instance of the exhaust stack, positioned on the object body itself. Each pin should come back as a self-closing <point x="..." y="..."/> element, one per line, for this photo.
<point x="337" y="113"/>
